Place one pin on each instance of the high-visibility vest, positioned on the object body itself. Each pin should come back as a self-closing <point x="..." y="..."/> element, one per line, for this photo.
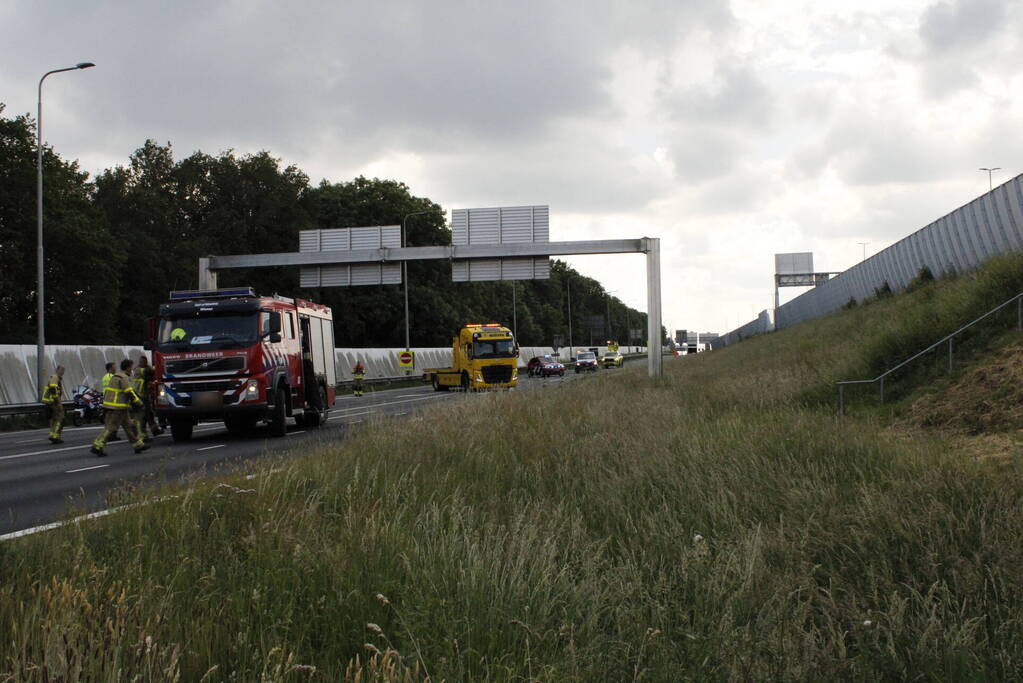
<point x="119" y="395"/>
<point x="52" y="391"/>
<point x="139" y="381"/>
<point x="359" y="371"/>
<point x="106" y="380"/>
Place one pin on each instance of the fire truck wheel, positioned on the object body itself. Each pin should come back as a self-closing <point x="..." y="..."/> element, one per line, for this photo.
<point x="318" y="415"/>
<point x="279" y="415"/>
<point x="181" y="428"/>
<point x="437" y="386"/>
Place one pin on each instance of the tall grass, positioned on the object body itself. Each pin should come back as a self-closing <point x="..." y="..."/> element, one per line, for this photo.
<point x="713" y="524"/>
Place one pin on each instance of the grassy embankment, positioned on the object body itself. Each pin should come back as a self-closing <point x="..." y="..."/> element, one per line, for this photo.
<point x="719" y="523"/>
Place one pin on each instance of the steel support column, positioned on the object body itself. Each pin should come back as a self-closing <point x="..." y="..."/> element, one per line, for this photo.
<point x="652" y="247"/>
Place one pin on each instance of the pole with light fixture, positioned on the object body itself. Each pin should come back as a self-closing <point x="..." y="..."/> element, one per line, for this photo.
<point x="990" y="186"/>
<point x="40" y="297"/>
<point x="404" y="270"/>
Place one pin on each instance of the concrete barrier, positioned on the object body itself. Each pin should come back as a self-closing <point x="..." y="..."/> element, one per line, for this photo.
<point x="84" y="364"/>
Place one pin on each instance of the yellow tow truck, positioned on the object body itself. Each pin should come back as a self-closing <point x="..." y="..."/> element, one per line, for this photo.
<point x="483" y="356"/>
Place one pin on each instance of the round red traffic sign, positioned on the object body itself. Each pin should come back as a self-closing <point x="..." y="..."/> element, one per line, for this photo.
<point x="405" y="359"/>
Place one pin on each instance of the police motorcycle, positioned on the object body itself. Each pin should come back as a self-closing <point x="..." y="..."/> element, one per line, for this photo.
<point x="88" y="405"/>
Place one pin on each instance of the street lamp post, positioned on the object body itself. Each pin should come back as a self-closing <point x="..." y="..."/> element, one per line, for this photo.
<point x="404" y="269"/>
<point x="864" y="245"/>
<point x="990" y="186"/>
<point x="40" y="297"/>
<point x="568" y="281"/>
<point x="515" y="312"/>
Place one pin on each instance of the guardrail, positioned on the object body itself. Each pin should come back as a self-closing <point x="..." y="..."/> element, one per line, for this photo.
<point x="22" y="409"/>
<point x="946" y="339"/>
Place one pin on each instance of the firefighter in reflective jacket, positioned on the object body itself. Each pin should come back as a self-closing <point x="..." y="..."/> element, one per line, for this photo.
<point x="110" y="368"/>
<point x="142" y="383"/>
<point x="358" y="374"/>
<point x="118" y="399"/>
<point x="52" y="393"/>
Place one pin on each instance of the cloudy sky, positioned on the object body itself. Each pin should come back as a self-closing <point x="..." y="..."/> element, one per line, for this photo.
<point x="731" y="130"/>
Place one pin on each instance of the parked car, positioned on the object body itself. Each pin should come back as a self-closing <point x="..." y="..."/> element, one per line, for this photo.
<point x="586" y="361"/>
<point x="533" y="366"/>
<point x="550" y="367"/>
<point x="612" y="359"/>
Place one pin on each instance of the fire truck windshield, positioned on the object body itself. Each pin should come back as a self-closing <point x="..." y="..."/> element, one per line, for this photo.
<point x="494" y="348"/>
<point x="208" y="331"/>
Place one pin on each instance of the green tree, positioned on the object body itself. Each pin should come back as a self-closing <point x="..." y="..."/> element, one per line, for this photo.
<point x="82" y="290"/>
<point x="166" y="214"/>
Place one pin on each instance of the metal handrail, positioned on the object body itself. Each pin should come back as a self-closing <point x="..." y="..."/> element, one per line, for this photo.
<point x="948" y="338"/>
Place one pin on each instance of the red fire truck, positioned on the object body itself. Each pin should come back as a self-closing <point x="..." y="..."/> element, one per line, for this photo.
<point x="230" y="355"/>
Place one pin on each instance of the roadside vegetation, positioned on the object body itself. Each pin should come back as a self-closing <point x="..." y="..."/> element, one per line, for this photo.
<point x="720" y="523"/>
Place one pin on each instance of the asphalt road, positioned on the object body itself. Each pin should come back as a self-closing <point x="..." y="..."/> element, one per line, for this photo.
<point x="41" y="483"/>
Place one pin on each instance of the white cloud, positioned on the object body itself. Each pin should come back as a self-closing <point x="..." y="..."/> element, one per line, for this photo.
<point x="730" y="130"/>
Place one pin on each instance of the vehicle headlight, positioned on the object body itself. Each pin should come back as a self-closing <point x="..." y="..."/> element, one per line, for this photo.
<point x="479" y="377"/>
<point x="161" y="394"/>
<point x="251" y="390"/>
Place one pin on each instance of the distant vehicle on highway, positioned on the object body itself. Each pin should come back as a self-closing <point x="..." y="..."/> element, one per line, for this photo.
<point x="586" y="361"/>
<point x="549" y="367"/>
<point x="533" y="366"/>
<point x="612" y="359"/>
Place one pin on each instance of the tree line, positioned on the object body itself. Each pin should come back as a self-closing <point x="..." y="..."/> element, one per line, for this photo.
<point x="115" y="245"/>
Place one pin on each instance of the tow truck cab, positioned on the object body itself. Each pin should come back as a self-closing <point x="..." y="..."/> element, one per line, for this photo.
<point x="483" y="356"/>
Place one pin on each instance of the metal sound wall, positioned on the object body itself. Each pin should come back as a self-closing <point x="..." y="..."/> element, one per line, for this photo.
<point x="991" y="224"/>
<point x="759" y="326"/>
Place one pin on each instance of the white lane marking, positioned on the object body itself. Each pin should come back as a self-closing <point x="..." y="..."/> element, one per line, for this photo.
<point x="57" y="525"/>
<point x="85" y="445"/>
<point x="301" y="431"/>
<point x="394" y="403"/>
<point x="396" y="414"/>
<point x="28" y="441"/>
<point x="410" y="395"/>
<point x="82" y="518"/>
<point x="355" y="422"/>
<point x="220" y="445"/>
<point x="48" y="450"/>
<point x="83" y="469"/>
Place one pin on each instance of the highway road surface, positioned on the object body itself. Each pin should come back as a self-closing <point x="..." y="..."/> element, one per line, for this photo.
<point x="41" y="483"/>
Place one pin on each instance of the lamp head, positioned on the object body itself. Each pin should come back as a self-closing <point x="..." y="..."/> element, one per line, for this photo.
<point x="84" y="65"/>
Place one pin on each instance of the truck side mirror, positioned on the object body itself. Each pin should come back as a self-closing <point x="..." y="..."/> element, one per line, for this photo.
<point x="147" y="345"/>
<point x="274" y="337"/>
<point x="275" y="323"/>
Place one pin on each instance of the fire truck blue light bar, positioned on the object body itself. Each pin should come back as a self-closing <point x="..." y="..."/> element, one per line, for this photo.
<point x="209" y="293"/>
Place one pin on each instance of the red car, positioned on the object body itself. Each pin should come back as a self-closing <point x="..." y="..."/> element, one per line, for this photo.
<point x="544" y="366"/>
<point x="549" y="366"/>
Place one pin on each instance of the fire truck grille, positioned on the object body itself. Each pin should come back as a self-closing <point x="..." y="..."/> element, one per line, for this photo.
<point x="187" y="365"/>
<point x="494" y="374"/>
<point x="192" y="387"/>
